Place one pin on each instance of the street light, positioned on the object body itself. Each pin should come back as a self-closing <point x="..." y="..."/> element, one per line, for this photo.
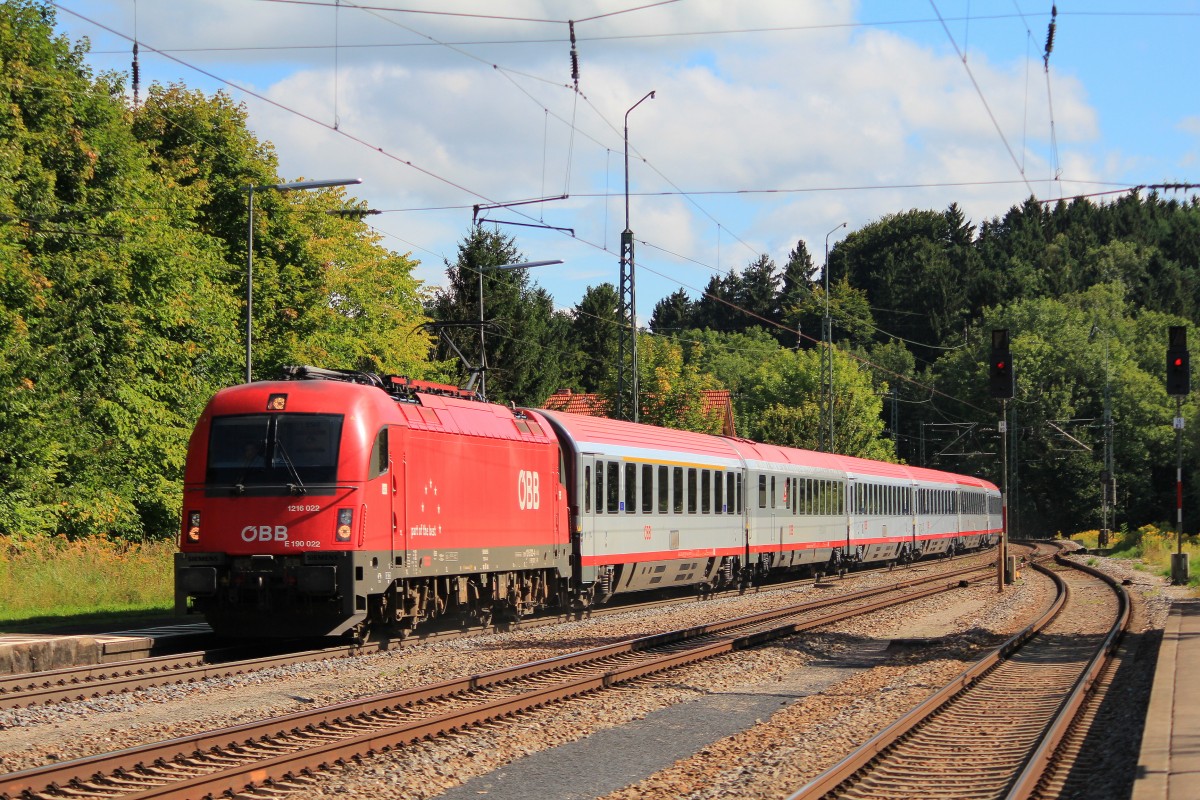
<point x="628" y="292"/>
<point x="278" y="187"/>
<point x="827" y="338"/>
<point x="482" y="346"/>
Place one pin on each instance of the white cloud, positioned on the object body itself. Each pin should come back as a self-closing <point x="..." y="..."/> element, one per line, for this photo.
<point x="799" y="108"/>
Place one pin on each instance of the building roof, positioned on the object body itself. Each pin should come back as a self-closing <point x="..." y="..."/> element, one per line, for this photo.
<point x="592" y="405"/>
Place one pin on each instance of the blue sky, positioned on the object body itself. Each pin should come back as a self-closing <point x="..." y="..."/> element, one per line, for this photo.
<point x="773" y="121"/>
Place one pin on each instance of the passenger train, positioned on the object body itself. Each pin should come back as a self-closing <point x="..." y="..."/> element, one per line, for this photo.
<point x="334" y="502"/>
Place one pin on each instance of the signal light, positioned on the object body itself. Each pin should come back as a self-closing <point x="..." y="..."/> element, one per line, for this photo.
<point x="1001" y="382"/>
<point x="1179" y="373"/>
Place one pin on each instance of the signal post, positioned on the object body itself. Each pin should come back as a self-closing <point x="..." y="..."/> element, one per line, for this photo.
<point x="1002" y="386"/>
<point x="1179" y="384"/>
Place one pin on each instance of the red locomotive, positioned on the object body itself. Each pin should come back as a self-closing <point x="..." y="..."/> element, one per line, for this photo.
<point x="331" y="502"/>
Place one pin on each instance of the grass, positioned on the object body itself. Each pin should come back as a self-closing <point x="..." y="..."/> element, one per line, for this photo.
<point x="48" y="580"/>
<point x="1151" y="546"/>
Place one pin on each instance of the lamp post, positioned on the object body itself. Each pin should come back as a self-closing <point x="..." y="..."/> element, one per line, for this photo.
<point x="482" y="344"/>
<point x="827" y="339"/>
<point x="628" y="297"/>
<point x="278" y="187"/>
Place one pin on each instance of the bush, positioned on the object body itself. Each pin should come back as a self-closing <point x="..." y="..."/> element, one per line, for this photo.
<point x="53" y="576"/>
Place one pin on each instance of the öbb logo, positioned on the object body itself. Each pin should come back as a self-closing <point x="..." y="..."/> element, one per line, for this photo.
<point x="529" y="496"/>
<point x="264" y="533"/>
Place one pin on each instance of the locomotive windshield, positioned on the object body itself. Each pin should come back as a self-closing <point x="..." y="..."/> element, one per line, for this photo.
<point x="265" y="454"/>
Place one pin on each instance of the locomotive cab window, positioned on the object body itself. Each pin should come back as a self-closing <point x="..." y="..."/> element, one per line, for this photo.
<point x="268" y="454"/>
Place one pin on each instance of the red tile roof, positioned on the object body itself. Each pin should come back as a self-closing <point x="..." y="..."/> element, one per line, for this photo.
<point x="593" y="405"/>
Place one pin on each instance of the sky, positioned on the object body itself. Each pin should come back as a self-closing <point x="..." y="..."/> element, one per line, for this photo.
<point x="772" y="121"/>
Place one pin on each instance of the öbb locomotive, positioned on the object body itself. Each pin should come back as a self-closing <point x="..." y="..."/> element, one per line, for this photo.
<point x="332" y="502"/>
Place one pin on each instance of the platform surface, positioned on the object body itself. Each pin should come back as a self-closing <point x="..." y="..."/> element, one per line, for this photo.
<point x="1169" y="763"/>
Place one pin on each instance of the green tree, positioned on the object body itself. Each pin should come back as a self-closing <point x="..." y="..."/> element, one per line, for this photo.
<point x="595" y="328"/>
<point x="670" y="391"/>
<point x="785" y="405"/>
<point x="673" y="314"/>
<point x="527" y="341"/>
<point x="109" y="305"/>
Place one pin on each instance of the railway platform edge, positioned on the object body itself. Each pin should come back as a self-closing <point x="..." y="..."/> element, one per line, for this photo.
<point x="39" y="652"/>
<point x="1169" y="761"/>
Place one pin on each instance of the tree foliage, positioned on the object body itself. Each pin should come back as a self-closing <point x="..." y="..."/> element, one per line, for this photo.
<point x="527" y="342"/>
<point x="122" y="264"/>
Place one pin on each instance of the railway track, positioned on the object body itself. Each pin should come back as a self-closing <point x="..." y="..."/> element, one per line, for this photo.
<point x="999" y="729"/>
<point x="100" y="680"/>
<point x="284" y="752"/>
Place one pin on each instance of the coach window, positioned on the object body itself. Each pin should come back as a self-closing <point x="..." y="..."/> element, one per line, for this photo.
<point x="705" y="491"/>
<point x="740" y="507"/>
<point x="692" y="492"/>
<point x="677" y="489"/>
<point x="729" y="496"/>
<point x="379" y="455"/>
<point x="587" y="489"/>
<point x="718" y="492"/>
<point x="631" y="471"/>
<point x="599" y="487"/>
<point x="612" y="478"/>
<point x="647" y="489"/>
<point x="796" y="495"/>
<point x="664" y="490"/>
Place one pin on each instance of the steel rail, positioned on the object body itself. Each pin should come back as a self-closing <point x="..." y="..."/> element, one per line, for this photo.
<point x="98" y="680"/>
<point x="1029" y="773"/>
<point x="79" y="773"/>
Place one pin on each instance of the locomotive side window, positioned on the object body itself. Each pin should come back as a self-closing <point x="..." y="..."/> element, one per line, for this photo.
<point x="664" y="490"/>
<point x="274" y="453"/>
<point x="762" y="491"/>
<point x="631" y="488"/>
<point x="612" y="479"/>
<point x="379" y="455"/>
<point x="677" y="489"/>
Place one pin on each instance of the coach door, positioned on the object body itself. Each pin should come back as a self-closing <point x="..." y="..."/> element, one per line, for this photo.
<point x="591" y="494"/>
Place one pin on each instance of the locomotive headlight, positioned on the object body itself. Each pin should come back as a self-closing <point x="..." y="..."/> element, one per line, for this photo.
<point x="345" y="523"/>
<point x="193" y="527"/>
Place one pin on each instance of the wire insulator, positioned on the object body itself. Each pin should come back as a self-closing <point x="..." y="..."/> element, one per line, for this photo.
<point x="574" y="54"/>
<point x="136" y="74"/>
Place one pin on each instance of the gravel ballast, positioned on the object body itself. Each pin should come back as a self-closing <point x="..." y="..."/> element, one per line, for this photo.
<point x="752" y="724"/>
